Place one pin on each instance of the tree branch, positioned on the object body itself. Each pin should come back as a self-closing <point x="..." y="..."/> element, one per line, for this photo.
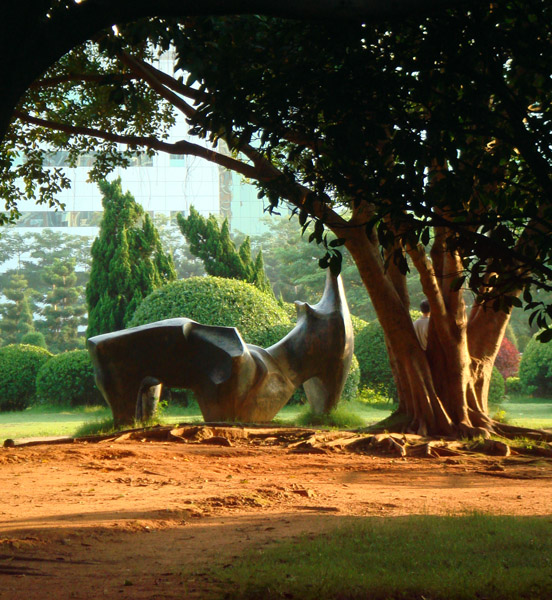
<point x="181" y="147"/>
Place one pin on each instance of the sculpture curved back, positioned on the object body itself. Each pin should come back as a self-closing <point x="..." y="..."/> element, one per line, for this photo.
<point x="232" y="380"/>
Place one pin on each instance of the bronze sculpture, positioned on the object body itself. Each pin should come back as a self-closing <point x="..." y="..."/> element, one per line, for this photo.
<point x="232" y="380"/>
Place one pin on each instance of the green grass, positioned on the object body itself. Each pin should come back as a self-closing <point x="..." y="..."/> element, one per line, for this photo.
<point x="40" y="421"/>
<point x="346" y="415"/>
<point x="407" y="558"/>
<point x="526" y="411"/>
<point x="49" y="421"/>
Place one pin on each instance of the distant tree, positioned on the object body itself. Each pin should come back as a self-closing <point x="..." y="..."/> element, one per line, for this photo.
<point x="64" y="307"/>
<point x="14" y="245"/>
<point x="17" y="318"/>
<point x="508" y="359"/>
<point x="35" y="252"/>
<point x="128" y="262"/>
<point x="214" y="246"/>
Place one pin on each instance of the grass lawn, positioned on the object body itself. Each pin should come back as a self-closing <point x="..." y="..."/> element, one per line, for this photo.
<point x="408" y="558"/>
<point x="50" y="421"/>
<point x="528" y="412"/>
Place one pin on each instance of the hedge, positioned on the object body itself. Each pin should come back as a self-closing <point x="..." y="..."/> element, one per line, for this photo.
<point x="535" y="369"/>
<point x="67" y="379"/>
<point x="214" y="301"/>
<point x="19" y="365"/>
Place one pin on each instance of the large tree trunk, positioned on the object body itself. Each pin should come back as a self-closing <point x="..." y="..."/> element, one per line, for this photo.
<point x="443" y="390"/>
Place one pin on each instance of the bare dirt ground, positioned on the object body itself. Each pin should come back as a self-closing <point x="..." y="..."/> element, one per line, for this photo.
<point x="136" y="518"/>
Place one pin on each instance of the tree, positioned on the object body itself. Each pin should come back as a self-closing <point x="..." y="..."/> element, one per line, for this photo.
<point x="185" y="263"/>
<point x="128" y="262"/>
<point x="213" y="245"/>
<point x="450" y="150"/>
<point x="49" y="29"/>
<point x="17" y="318"/>
<point x="64" y="307"/>
<point x="507" y="359"/>
<point x="420" y="144"/>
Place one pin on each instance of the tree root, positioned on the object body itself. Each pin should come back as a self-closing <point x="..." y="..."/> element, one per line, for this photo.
<point x="512" y="431"/>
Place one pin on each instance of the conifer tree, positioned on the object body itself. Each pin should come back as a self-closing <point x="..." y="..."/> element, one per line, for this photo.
<point x="64" y="307"/>
<point x="260" y="278"/>
<point x="17" y="318"/>
<point x="214" y="246"/>
<point x="128" y="262"/>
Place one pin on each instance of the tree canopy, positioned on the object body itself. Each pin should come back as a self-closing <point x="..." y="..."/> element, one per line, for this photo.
<point x="33" y="36"/>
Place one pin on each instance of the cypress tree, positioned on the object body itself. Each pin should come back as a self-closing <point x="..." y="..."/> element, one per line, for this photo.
<point x="214" y="246"/>
<point x="128" y="262"/>
<point x="259" y="276"/>
<point x="17" y="317"/>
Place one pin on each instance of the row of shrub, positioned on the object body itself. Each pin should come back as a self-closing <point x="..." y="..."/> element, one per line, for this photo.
<point x="32" y="375"/>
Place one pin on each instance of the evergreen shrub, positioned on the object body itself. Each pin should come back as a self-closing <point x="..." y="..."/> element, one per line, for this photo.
<point x="34" y="338"/>
<point x="19" y="365"/>
<point x="375" y="370"/>
<point x="67" y="379"/>
<point x="514" y="385"/>
<point x="215" y="301"/>
<point x="497" y="387"/>
<point x="535" y="369"/>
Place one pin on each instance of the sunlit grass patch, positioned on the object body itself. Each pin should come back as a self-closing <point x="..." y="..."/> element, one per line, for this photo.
<point x="429" y="557"/>
<point x="342" y="417"/>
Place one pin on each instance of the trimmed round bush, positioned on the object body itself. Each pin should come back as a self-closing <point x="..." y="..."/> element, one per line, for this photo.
<point x="371" y="352"/>
<point x="34" y="338"/>
<point x="67" y="379"/>
<point x="535" y="369"/>
<point x="497" y="387"/>
<point x="214" y="301"/>
<point x="514" y="385"/>
<point x="19" y="365"/>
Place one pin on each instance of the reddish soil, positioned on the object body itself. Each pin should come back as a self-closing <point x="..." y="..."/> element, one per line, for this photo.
<point x="144" y="519"/>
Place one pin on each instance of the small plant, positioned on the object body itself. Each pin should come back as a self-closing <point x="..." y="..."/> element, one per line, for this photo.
<point x="500" y="416"/>
<point x="339" y="418"/>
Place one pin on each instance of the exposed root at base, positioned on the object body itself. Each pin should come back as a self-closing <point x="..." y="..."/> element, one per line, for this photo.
<point x="506" y="440"/>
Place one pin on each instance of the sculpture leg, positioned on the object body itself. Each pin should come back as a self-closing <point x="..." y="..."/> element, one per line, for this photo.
<point x="148" y="399"/>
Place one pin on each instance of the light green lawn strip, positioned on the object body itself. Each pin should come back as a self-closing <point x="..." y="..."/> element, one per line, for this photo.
<point x="44" y="421"/>
<point x="407" y="558"/>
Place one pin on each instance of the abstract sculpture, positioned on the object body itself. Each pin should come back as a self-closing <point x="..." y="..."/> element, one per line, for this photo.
<point x="232" y="380"/>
